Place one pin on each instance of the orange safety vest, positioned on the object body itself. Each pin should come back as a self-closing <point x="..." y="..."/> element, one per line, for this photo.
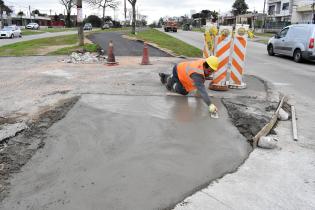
<point x="186" y="69"/>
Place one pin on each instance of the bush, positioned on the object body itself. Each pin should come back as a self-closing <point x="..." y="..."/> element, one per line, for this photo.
<point x="94" y="20"/>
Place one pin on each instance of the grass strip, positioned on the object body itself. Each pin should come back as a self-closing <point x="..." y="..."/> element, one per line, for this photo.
<point x="168" y="42"/>
<point x="32" y="47"/>
<point x="69" y="50"/>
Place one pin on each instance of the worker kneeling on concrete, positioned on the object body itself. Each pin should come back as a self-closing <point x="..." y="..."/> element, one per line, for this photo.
<point x="190" y="76"/>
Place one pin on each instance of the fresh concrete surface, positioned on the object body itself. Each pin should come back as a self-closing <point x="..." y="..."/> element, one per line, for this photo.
<point x="277" y="179"/>
<point x="128" y="152"/>
<point x="125" y="144"/>
<point x="36" y="36"/>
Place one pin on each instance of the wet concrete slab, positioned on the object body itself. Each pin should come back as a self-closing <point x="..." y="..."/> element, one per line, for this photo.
<point x="128" y="152"/>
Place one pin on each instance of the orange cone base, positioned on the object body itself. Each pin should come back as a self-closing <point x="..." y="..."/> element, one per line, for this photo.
<point x="146" y="63"/>
<point x="112" y="63"/>
<point x="218" y="87"/>
<point x="235" y="86"/>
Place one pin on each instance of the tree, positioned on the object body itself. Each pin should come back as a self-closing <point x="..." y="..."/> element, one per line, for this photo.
<point x="68" y="4"/>
<point x="160" y="23"/>
<point x="94" y="20"/>
<point x="133" y="4"/>
<point x="21" y="14"/>
<point x="36" y="12"/>
<point x="3" y="8"/>
<point x="103" y="4"/>
<point x="239" y="7"/>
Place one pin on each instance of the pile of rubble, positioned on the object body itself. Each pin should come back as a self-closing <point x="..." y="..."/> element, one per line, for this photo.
<point x="80" y="57"/>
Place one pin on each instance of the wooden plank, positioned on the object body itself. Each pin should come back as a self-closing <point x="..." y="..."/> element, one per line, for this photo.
<point x="294" y="127"/>
<point x="267" y="128"/>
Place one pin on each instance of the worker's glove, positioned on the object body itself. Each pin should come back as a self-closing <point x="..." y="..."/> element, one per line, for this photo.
<point x="212" y="108"/>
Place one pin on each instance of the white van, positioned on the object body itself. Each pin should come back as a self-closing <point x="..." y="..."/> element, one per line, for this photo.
<point x="296" y="41"/>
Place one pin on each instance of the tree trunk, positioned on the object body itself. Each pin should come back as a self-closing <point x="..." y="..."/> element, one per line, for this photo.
<point x="133" y="19"/>
<point x="104" y="15"/>
<point x="68" y="19"/>
<point x="1" y="17"/>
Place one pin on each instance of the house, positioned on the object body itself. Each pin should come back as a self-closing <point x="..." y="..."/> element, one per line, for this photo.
<point x="290" y="11"/>
<point x="14" y="19"/>
<point x="303" y="12"/>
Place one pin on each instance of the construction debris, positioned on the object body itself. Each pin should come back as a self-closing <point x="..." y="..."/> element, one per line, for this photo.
<point x="83" y="58"/>
<point x="10" y="130"/>
<point x="294" y="127"/>
<point x="283" y="115"/>
<point x="268" y="142"/>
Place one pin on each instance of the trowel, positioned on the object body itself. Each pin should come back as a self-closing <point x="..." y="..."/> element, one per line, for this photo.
<point x="214" y="115"/>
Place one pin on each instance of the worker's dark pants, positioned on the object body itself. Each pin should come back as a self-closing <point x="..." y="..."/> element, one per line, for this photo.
<point x="173" y="83"/>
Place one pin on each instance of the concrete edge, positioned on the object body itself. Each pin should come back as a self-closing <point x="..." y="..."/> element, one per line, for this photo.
<point x="272" y="95"/>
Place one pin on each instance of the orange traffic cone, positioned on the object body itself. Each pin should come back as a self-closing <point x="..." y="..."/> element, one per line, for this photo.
<point x="111" y="61"/>
<point x="145" y="57"/>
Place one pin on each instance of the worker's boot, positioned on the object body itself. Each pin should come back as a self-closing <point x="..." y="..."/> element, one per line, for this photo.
<point x="169" y="82"/>
<point x="163" y="78"/>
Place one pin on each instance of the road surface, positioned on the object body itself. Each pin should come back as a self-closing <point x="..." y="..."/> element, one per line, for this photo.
<point x="36" y="36"/>
<point x="122" y="46"/>
<point x="285" y="171"/>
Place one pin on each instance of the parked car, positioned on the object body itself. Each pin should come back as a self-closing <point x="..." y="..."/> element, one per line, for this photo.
<point x="296" y="41"/>
<point x="87" y="26"/>
<point x="33" y="26"/>
<point x="105" y="26"/>
<point x="10" y="32"/>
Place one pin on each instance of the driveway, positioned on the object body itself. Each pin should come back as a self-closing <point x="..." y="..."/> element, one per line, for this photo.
<point x="36" y="36"/>
<point x="122" y="46"/>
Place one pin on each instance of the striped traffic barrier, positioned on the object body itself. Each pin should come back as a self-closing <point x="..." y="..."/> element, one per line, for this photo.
<point x="238" y="57"/>
<point x="222" y="51"/>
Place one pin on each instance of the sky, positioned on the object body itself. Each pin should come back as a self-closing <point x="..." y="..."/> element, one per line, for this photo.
<point x="154" y="9"/>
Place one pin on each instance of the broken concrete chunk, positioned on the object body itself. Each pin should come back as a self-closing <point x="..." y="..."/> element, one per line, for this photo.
<point x="10" y="130"/>
<point x="283" y="115"/>
<point x="268" y="142"/>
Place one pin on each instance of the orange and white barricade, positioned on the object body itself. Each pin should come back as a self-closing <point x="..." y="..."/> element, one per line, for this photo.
<point x="238" y="57"/>
<point x="223" y="52"/>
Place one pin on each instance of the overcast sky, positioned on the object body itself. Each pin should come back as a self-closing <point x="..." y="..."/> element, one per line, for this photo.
<point x="154" y="9"/>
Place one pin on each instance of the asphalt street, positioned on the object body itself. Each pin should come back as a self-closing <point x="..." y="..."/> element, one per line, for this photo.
<point x="296" y="80"/>
<point x="122" y="46"/>
<point x="36" y="36"/>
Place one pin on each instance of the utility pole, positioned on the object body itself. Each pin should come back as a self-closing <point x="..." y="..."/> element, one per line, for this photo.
<point x="80" y="22"/>
<point x="29" y="9"/>
<point x="313" y="13"/>
<point x="125" y="10"/>
<point x="263" y="20"/>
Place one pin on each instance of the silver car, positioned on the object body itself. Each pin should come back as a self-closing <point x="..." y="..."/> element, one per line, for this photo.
<point x="10" y="32"/>
<point x="296" y="41"/>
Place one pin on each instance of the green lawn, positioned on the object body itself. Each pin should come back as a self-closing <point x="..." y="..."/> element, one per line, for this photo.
<point x="54" y="30"/>
<point x="199" y="30"/>
<point x="26" y="32"/>
<point x="69" y="50"/>
<point x="264" y="34"/>
<point x="34" y="46"/>
<point x="263" y="41"/>
<point x="168" y="42"/>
